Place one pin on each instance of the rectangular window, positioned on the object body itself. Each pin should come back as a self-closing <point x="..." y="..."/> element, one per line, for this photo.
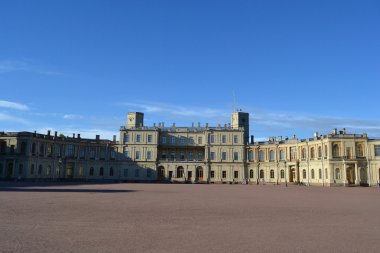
<point x="150" y="138"/>
<point x="212" y="174"/>
<point x="137" y="157"/>
<point x="70" y="150"/>
<point x="102" y="153"/>
<point x="182" y="156"/>
<point x="163" y="139"/>
<point x="173" y="140"/>
<point x="81" y="171"/>
<point x="236" y="139"/>
<point x="377" y="150"/>
<point x="125" y="172"/>
<point x="92" y="152"/>
<point x="191" y="156"/>
<point x="126" y="152"/>
<point x="182" y="140"/>
<point x="212" y="156"/>
<point x="224" y="156"/>
<point x="224" y="174"/>
<point x="149" y="155"/>
<point x="199" y="140"/>
<point x="212" y="138"/>
<point x="250" y="155"/>
<point x="82" y="152"/>
<point x="236" y="156"/>
<point x="172" y="155"/>
<point x="191" y="140"/>
<point x="200" y="156"/>
<point x="138" y="138"/>
<point x="293" y="153"/>
<point x="224" y="139"/>
<point x="126" y="138"/>
<point x="163" y="155"/>
<point x="236" y="174"/>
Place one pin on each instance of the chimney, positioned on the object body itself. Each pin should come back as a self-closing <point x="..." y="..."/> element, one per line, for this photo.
<point x="97" y="137"/>
<point x="163" y="125"/>
<point x="192" y="124"/>
<point x="48" y="132"/>
<point x="315" y="134"/>
<point x="154" y="124"/>
<point x="173" y="125"/>
<point x="206" y="125"/>
<point x="279" y="138"/>
<point x="294" y="136"/>
<point x="78" y="135"/>
<point x="335" y="131"/>
<point x="114" y="138"/>
<point x="73" y="135"/>
<point x="344" y="130"/>
<point x="225" y="126"/>
<point x="55" y="134"/>
<point x="199" y="124"/>
<point x="252" y="139"/>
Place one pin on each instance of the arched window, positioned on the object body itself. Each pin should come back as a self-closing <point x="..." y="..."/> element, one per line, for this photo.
<point x="91" y="171"/>
<point x="261" y="155"/>
<point x="336" y="150"/>
<point x="337" y="173"/>
<point x="359" y="150"/>
<point x="282" y="174"/>
<point x="48" y="170"/>
<point x="271" y="173"/>
<point x="34" y="148"/>
<point x="319" y="152"/>
<point x="303" y="153"/>
<point x="304" y="174"/>
<point x="320" y="173"/>
<point x="271" y="155"/>
<point x="261" y="173"/>
<point x="251" y="174"/>
<point x="312" y="153"/>
<point x="282" y="155"/>
<point x="42" y="149"/>
<point x="101" y="171"/>
<point x="179" y="172"/>
<point x="250" y="155"/>
<point x="111" y="172"/>
<point x="40" y="170"/>
<point x="312" y="174"/>
<point x="161" y="172"/>
<point x="199" y="173"/>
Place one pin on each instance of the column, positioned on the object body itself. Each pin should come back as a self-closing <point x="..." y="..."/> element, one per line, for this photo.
<point x="344" y="176"/>
<point x="357" y="175"/>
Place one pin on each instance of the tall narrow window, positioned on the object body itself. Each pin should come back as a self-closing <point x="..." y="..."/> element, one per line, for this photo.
<point x="137" y="157"/>
<point x="271" y="155"/>
<point x="250" y="155"/>
<point x="282" y="155"/>
<point x="312" y="174"/>
<point x="200" y="156"/>
<point x="236" y="156"/>
<point x="336" y="150"/>
<point x="138" y="138"/>
<point x="224" y="139"/>
<point x="149" y="155"/>
<point x="251" y="174"/>
<point x="126" y="138"/>
<point x="272" y="174"/>
<point x="150" y="138"/>
<point x="199" y="140"/>
<point x="212" y="138"/>
<point x="261" y="155"/>
<point x="224" y="156"/>
<point x="111" y="172"/>
<point x="282" y="174"/>
<point x="304" y="174"/>
<point x="236" y="139"/>
<point x="212" y="156"/>
<point x="91" y="171"/>
<point x="101" y="171"/>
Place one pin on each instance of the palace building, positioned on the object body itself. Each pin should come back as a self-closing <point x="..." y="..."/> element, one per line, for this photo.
<point x="193" y="154"/>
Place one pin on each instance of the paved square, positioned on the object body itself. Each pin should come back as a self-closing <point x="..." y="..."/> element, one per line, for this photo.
<point x="47" y="217"/>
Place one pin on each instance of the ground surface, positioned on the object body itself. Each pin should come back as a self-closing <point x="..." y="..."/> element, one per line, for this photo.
<point x="43" y="217"/>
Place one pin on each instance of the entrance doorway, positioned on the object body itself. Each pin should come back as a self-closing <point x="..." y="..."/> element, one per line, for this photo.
<point x="350" y="175"/>
<point x="292" y="175"/>
<point x="70" y="171"/>
<point x="189" y="175"/>
<point x="199" y="174"/>
<point x="170" y="174"/>
<point x="9" y="170"/>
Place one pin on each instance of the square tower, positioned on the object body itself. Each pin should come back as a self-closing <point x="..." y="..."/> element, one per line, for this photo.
<point x="135" y="119"/>
<point x="241" y="119"/>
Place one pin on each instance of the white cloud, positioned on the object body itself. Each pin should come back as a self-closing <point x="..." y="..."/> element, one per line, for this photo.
<point x="11" y="119"/>
<point x="13" y="105"/>
<point x="7" y="66"/>
<point x="72" y="116"/>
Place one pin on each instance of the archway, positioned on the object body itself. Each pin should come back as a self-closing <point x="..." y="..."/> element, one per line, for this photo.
<point x="161" y="172"/>
<point x="350" y="175"/>
<point x="292" y="175"/>
<point x="261" y="174"/>
<point x="199" y="174"/>
<point x="180" y="171"/>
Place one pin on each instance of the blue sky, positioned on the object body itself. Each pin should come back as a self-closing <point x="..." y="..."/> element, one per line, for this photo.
<point x="295" y="66"/>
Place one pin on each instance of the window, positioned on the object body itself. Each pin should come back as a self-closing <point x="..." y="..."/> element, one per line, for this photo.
<point x="138" y="138"/>
<point x="23" y="147"/>
<point x="212" y="138"/>
<point x="191" y="156"/>
<point x="172" y="155"/>
<point x="261" y="155"/>
<point x="148" y="172"/>
<point x="81" y="171"/>
<point x="113" y="153"/>
<point x="91" y="171"/>
<point x="3" y="146"/>
<point x="335" y="150"/>
<point x="126" y="138"/>
<point x="182" y="140"/>
<point x="236" y="174"/>
<point x="48" y="170"/>
<point x="271" y="155"/>
<point x="359" y="150"/>
<point x="271" y="173"/>
<point x="13" y="150"/>
<point x="33" y="148"/>
<point x="304" y="174"/>
<point x="137" y="172"/>
<point x="348" y="153"/>
<point x="236" y="156"/>
<point x="320" y="173"/>
<point x="126" y="152"/>
<point x="20" y="169"/>
<point x="337" y="173"/>
<point x="282" y="155"/>
<point x="236" y="140"/>
<point x="125" y="172"/>
<point x="92" y="152"/>
<point x="251" y="174"/>
<point x="293" y="153"/>
<point x="182" y="156"/>
<point x="312" y="174"/>
<point x="250" y="155"/>
<point x="40" y="170"/>
<point x="149" y="155"/>
<point x="224" y="139"/>
<point x="224" y="156"/>
<point x="81" y="152"/>
<point x="282" y="174"/>
<point x="199" y="140"/>
<point x="137" y="157"/>
<point x="200" y="156"/>
<point x="32" y="169"/>
<point x="191" y="140"/>
<point x="101" y="171"/>
<point x="57" y="150"/>
<point x="326" y="174"/>
<point x="173" y="140"/>
<point x="102" y="153"/>
<point x="111" y="172"/>
<point x="261" y="173"/>
<point x="303" y="153"/>
<point x="42" y="149"/>
<point x="312" y="153"/>
<point x="161" y="172"/>
<point x="377" y="150"/>
<point x="179" y="172"/>
<point x="319" y="152"/>
<point x="325" y="150"/>
<point x="163" y="155"/>
<point x="212" y="156"/>
<point x="150" y="138"/>
<point x="224" y="174"/>
<point x="163" y="139"/>
<point x="212" y="174"/>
